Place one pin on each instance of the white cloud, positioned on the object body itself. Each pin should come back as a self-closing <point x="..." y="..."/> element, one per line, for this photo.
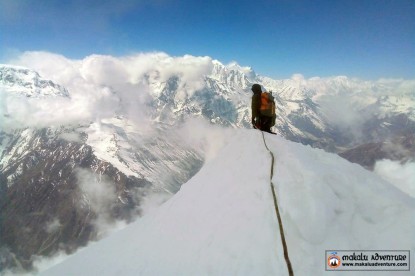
<point x="100" y="194"/>
<point x="199" y="134"/>
<point x="152" y="201"/>
<point x="104" y="70"/>
<point x="71" y="137"/>
<point x="348" y="103"/>
<point x="20" y="112"/>
<point x="400" y="175"/>
<point x="101" y="86"/>
<point x="43" y="263"/>
<point x="298" y="77"/>
<point x="53" y="226"/>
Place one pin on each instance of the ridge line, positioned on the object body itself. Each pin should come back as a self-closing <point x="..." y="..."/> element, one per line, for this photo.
<point x="277" y="211"/>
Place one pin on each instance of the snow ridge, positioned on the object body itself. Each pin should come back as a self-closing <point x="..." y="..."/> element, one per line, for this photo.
<point x="223" y="222"/>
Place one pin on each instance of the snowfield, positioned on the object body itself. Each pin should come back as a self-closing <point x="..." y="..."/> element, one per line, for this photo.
<point x="223" y="222"/>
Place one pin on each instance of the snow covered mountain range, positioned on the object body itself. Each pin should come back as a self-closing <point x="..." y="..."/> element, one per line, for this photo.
<point x="85" y="143"/>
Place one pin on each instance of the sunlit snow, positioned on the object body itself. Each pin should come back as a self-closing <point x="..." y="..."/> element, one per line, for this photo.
<point x="222" y="221"/>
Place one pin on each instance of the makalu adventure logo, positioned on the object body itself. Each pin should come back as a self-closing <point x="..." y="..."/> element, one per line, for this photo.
<point x="368" y="260"/>
<point x="333" y="261"/>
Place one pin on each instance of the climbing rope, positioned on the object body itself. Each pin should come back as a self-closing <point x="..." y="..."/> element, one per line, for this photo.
<point x="277" y="211"/>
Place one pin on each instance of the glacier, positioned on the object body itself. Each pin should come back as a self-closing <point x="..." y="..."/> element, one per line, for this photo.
<point x="222" y="221"/>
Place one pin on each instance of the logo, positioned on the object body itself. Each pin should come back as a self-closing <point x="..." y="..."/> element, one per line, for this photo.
<point x="333" y="260"/>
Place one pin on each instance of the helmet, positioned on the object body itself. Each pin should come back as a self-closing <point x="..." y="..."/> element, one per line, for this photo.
<point x="256" y="88"/>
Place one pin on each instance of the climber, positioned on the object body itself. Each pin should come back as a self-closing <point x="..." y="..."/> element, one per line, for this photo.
<point x="263" y="109"/>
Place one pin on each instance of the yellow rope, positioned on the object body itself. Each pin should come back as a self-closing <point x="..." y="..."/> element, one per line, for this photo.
<point x="284" y="244"/>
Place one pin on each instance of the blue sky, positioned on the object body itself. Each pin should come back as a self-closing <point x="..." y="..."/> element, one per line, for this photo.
<point x="369" y="39"/>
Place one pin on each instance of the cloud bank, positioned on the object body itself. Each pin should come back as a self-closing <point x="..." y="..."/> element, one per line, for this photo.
<point x="349" y="103"/>
<point x="100" y="87"/>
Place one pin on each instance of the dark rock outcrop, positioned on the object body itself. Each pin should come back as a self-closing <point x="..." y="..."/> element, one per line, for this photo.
<point x="401" y="148"/>
<point x="43" y="208"/>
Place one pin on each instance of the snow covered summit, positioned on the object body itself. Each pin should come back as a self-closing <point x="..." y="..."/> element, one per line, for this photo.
<point x="22" y="81"/>
<point x="223" y="222"/>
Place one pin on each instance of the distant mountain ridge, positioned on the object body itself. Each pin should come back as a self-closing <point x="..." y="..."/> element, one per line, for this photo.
<point x="401" y="148"/>
<point x="224" y="97"/>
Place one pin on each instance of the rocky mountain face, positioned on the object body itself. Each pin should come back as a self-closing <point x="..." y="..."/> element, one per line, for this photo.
<point x="53" y="193"/>
<point x="400" y="148"/>
<point x="62" y="186"/>
<point x="43" y="207"/>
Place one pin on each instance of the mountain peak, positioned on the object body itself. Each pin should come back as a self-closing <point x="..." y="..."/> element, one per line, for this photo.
<point x="26" y="82"/>
<point x="235" y="66"/>
<point x="233" y="74"/>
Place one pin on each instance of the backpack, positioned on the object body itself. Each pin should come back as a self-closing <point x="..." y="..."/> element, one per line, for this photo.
<point x="268" y="106"/>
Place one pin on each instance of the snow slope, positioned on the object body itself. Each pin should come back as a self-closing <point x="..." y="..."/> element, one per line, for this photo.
<point x="222" y="221"/>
